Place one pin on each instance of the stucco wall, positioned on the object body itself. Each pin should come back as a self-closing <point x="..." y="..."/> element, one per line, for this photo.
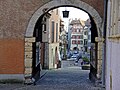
<point x="15" y="15"/>
<point x="14" y="18"/>
<point x="56" y="19"/>
<point x="113" y="65"/>
<point x="113" y="46"/>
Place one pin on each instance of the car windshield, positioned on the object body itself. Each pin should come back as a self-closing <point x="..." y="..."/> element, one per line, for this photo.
<point x="74" y="56"/>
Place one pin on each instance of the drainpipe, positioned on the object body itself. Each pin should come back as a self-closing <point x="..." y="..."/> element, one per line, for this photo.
<point x="104" y="43"/>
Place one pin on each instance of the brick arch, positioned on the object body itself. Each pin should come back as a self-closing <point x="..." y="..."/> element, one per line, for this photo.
<point x="57" y="3"/>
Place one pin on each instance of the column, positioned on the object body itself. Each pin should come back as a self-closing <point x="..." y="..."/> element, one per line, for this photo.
<point x="28" y="59"/>
<point x="99" y="56"/>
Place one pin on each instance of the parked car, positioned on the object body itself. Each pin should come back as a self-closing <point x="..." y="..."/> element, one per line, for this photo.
<point x="69" y="55"/>
<point x="73" y="57"/>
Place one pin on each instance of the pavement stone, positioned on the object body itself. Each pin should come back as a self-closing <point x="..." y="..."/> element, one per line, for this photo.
<point x="72" y="78"/>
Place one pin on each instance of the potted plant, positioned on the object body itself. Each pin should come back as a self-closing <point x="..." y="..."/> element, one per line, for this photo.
<point x="85" y="60"/>
<point x="85" y="63"/>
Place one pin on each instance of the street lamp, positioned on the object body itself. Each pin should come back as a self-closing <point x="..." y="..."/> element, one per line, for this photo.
<point x="65" y="14"/>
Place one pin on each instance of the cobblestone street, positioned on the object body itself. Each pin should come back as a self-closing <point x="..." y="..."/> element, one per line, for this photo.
<point x="72" y="78"/>
<point x="69" y="78"/>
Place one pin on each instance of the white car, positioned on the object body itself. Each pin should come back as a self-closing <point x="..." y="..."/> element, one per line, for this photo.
<point x="74" y="57"/>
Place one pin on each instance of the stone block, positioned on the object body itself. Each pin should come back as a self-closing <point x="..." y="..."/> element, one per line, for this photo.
<point x="98" y="39"/>
<point x="100" y="46"/>
<point x="99" y="57"/>
<point x="28" y="55"/>
<point x="30" y="39"/>
<point x="28" y="49"/>
<point x="28" y="63"/>
<point x="28" y="44"/>
<point x="28" y="70"/>
<point x="99" y="62"/>
<point x="99" y="54"/>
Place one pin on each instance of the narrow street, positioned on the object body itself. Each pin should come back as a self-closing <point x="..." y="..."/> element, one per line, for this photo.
<point x="72" y="78"/>
<point x="69" y="78"/>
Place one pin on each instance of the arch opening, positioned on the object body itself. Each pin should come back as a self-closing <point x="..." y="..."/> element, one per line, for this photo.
<point x="42" y="11"/>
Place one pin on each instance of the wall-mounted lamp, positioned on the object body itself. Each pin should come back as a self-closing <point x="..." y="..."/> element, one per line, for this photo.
<point x="65" y="14"/>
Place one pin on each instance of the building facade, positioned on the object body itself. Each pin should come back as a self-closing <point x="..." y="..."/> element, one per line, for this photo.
<point x="85" y="38"/>
<point x="63" y="41"/>
<point x="112" y="64"/>
<point x="77" y="36"/>
<point x="53" y="38"/>
<point x="88" y="26"/>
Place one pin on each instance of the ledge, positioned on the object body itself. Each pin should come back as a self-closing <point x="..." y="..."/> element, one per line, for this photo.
<point x="86" y="67"/>
<point x="114" y="36"/>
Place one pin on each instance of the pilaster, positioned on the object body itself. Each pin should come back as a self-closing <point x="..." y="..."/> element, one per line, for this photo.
<point x="99" y="56"/>
<point x="28" y="59"/>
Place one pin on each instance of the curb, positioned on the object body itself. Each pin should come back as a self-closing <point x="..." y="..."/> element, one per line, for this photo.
<point x="42" y="73"/>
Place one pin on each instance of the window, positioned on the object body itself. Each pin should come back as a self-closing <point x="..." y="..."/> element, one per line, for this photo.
<point x="85" y="33"/>
<point x="81" y="36"/>
<point x="52" y="39"/>
<point x="56" y="32"/>
<point x="74" y="30"/>
<point x="78" y="37"/>
<point x="78" y="41"/>
<point x="77" y="30"/>
<point x="56" y="11"/>
<point x="44" y="24"/>
<point x="37" y="33"/>
<point x="38" y="49"/>
<point x="73" y="42"/>
<point x="73" y="36"/>
<point x="85" y="41"/>
<point x="81" y="42"/>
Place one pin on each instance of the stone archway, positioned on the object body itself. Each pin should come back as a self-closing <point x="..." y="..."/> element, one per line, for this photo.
<point x="51" y="5"/>
<point x="57" y="3"/>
